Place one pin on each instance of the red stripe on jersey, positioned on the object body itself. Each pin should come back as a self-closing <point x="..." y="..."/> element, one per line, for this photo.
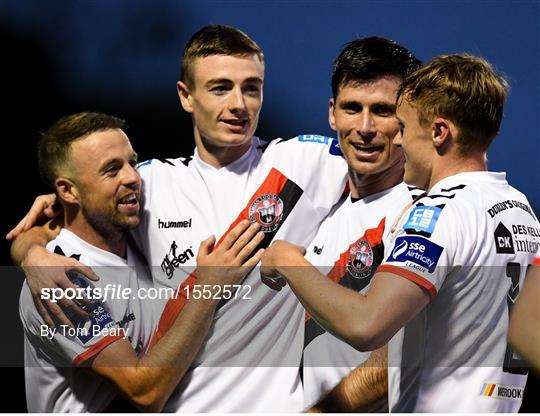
<point x="95" y="349"/>
<point x="536" y="261"/>
<point x="273" y="184"/>
<point x="373" y="236"/>
<point x="413" y="277"/>
<point x="172" y="309"/>
<point x="491" y="390"/>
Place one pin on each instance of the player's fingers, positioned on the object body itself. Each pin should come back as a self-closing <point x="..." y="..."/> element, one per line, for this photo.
<point x="57" y="314"/>
<point x="18" y="229"/>
<point x="77" y="267"/>
<point x="42" y="310"/>
<point x="233" y="235"/>
<point x="37" y="210"/>
<point x="245" y="238"/>
<point x="75" y="309"/>
<point x="206" y="246"/>
<point x="253" y="260"/>
<point x="250" y="247"/>
<point x="75" y="302"/>
<point x="52" y="210"/>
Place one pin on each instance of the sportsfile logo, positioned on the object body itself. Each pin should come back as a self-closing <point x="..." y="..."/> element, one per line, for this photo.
<point x="417" y="252"/>
<point x="500" y="391"/>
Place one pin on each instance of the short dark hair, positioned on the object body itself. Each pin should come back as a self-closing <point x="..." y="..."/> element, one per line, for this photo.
<point x="54" y="145"/>
<point x="464" y="88"/>
<point x="217" y="40"/>
<point x="370" y="58"/>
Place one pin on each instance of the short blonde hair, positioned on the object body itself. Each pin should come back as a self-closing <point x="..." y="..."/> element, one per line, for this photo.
<point x="464" y="89"/>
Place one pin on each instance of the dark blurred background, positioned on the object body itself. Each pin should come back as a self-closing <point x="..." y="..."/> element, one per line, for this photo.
<point x="122" y="57"/>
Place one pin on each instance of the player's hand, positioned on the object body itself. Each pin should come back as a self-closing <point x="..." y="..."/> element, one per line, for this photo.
<point x="233" y="259"/>
<point x="280" y="254"/>
<point x="43" y="209"/>
<point x="48" y="270"/>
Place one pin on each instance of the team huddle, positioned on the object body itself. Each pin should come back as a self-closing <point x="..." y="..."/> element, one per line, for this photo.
<point x="374" y="271"/>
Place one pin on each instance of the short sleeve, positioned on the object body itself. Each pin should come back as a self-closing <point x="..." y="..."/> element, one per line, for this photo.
<point x="64" y="346"/>
<point x="424" y="247"/>
<point x="314" y="163"/>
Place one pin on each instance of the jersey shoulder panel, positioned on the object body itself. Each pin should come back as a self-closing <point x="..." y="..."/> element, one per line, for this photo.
<point x="305" y="144"/>
<point x="155" y="166"/>
<point x="314" y="163"/>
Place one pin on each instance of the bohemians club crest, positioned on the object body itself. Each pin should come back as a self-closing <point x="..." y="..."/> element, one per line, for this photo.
<point x="267" y="210"/>
<point x="360" y="260"/>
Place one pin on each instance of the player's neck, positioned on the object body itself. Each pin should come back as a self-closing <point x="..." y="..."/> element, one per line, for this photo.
<point x="220" y="156"/>
<point x="452" y="165"/>
<point x="113" y="242"/>
<point x="365" y="185"/>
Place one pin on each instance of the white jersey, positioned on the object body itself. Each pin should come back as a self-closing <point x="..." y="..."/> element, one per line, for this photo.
<point x="250" y="360"/>
<point x="467" y="243"/>
<point x="348" y="249"/>
<point x="55" y="378"/>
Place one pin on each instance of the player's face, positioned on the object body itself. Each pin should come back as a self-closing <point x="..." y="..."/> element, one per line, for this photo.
<point x="225" y="99"/>
<point x="364" y="117"/>
<point x="417" y="145"/>
<point x="108" y="183"/>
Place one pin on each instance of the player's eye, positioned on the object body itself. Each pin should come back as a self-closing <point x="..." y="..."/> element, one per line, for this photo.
<point x="352" y="108"/>
<point x="112" y="170"/>
<point x="219" y="89"/>
<point x="384" y="110"/>
<point x="252" y="89"/>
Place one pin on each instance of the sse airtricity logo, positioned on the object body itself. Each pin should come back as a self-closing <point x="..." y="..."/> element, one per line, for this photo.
<point x="267" y="210"/>
<point x="417" y="252"/>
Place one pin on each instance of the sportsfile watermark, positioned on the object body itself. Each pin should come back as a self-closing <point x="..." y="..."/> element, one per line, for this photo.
<point x="129" y="284"/>
<point x="260" y="322"/>
<point x="112" y="291"/>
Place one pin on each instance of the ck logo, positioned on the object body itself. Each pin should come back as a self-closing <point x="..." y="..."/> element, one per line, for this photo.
<point x="504" y="243"/>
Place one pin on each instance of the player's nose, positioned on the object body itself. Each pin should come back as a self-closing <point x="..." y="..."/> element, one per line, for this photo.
<point x="130" y="176"/>
<point x="366" y="124"/>
<point x="236" y="100"/>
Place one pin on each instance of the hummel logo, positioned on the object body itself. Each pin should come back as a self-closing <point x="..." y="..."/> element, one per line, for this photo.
<point x="174" y="224"/>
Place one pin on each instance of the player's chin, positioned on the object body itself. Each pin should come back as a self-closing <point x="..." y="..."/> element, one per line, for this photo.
<point x="363" y="167"/>
<point x="128" y="222"/>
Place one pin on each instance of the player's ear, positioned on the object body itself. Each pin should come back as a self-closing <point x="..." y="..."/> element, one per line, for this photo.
<point x="331" y="115"/>
<point x="185" y="96"/>
<point x="442" y="131"/>
<point x="67" y="190"/>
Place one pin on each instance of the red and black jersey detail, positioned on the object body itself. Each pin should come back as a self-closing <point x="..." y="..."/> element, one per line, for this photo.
<point x="276" y="185"/>
<point x="346" y="273"/>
